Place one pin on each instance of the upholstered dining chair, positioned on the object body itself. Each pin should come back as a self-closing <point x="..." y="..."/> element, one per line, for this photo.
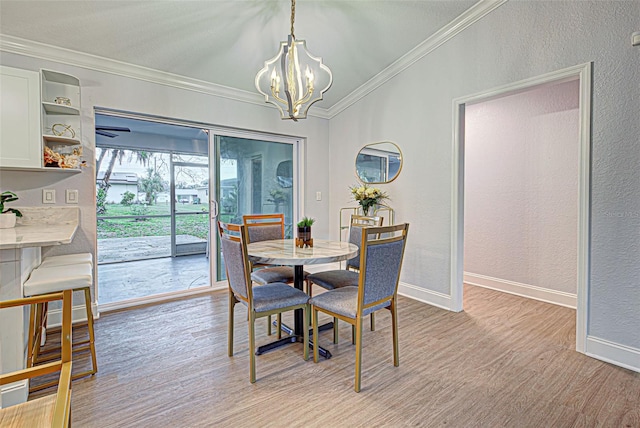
<point x="263" y="227"/>
<point x="338" y="278"/>
<point x="268" y="299"/>
<point x="381" y="254"/>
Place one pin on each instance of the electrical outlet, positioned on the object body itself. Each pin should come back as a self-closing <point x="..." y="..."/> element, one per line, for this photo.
<point x="318" y="196"/>
<point x="48" y="196"/>
<point x="72" y="196"/>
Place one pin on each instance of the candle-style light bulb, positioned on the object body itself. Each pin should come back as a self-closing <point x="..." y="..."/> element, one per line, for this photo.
<point x="309" y="75"/>
<point x="275" y="81"/>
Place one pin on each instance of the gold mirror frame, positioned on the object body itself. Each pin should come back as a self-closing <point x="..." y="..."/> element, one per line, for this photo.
<point x="387" y="151"/>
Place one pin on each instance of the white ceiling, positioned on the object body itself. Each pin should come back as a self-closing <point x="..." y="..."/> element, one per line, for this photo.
<point x="226" y="41"/>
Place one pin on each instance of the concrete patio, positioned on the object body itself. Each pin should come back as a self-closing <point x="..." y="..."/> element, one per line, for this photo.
<point x="112" y="250"/>
<point x="120" y="279"/>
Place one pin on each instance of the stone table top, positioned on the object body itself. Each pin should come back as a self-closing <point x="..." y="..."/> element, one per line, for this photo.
<point x="285" y="252"/>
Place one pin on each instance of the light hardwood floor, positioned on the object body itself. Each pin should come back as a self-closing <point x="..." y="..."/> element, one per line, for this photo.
<point x="504" y="361"/>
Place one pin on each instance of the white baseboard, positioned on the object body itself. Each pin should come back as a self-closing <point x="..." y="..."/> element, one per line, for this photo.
<point x="561" y="298"/>
<point x="432" y="298"/>
<point x="610" y="352"/>
<point x="78" y="314"/>
<point x="14" y="393"/>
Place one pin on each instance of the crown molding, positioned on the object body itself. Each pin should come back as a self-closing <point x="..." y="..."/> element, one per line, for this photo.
<point x="47" y="52"/>
<point x="462" y="22"/>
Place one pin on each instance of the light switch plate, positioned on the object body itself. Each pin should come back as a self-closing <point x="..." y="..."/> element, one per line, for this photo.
<point x="48" y="196"/>
<point x="318" y="196"/>
<point x="72" y="196"/>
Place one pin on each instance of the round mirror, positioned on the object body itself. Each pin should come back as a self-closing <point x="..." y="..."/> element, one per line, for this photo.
<point x="378" y="163"/>
<point x="284" y="174"/>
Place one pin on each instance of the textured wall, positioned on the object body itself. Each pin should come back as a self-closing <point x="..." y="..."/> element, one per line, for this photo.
<point x="521" y="187"/>
<point x="519" y="40"/>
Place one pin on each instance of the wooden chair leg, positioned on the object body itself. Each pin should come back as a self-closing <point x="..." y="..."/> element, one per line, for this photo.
<point x="269" y="325"/>
<point x="232" y="304"/>
<point x="394" y="328"/>
<point x="356" y="386"/>
<point x="252" y="346"/>
<point x="353" y="334"/>
<point x="316" y="341"/>
<point x="92" y="337"/>
<point x="373" y="321"/>
<point x="305" y="334"/>
<point x="279" y="325"/>
<point x="335" y="330"/>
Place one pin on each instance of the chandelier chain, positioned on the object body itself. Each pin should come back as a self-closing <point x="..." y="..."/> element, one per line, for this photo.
<point x="293" y="16"/>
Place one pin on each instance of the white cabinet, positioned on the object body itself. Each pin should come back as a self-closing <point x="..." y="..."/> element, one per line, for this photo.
<point x="38" y="111"/>
<point x="60" y="99"/>
<point x="20" y="135"/>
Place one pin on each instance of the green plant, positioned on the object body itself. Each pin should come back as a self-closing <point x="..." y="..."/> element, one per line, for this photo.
<point x="101" y="199"/>
<point x="140" y="210"/>
<point x="306" y="222"/>
<point x="151" y="185"/>
<point x="9" y="197"/>
<point x="127" y="198"/>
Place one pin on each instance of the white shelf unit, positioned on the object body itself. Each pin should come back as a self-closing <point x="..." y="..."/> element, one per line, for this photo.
<point x="53" y="85"/>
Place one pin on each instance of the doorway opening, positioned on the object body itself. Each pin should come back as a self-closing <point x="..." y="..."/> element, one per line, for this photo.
<point x="152" y="188"/>
<point x="580" y="75"/>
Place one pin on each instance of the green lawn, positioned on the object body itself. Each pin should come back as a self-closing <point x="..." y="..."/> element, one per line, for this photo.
<point x="195" y="225"/>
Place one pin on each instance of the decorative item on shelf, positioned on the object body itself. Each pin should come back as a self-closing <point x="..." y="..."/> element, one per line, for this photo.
<point x="63" y="101"/>
<point x="62" y="130"/>
<point x="54" y="159"/>
<point x="304" y="78"/>
<point x="304" y="233"/>
<point x="368" y="198"/>
<point x="8" y="216"/>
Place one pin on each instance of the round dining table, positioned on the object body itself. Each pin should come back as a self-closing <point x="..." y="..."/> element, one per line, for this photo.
<point x="285" y="252"/>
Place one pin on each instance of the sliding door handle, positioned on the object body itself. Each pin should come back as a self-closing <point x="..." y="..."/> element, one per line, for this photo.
<point x="214" y="209"/>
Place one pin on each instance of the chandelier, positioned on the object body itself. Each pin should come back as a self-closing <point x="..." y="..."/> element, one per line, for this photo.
<point x="294" y="79"/>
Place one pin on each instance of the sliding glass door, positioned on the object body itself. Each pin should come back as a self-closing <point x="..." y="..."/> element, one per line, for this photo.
<point x="254" y="176"/>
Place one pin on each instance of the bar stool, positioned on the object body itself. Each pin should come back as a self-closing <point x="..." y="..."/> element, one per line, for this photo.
<point x="67" y="259"/>
<point x="50" y="278"/>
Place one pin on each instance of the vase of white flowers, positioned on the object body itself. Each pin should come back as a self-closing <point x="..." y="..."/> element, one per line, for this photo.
<point x="368" y="198"/>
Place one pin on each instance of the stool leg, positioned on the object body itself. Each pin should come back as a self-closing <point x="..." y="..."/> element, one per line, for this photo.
<point x="41" y="324"/>
<point x="92" y="339"/>
<point x="32" y="332"/>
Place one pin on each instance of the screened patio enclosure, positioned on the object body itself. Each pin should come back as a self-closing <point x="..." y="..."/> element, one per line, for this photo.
<point x="162" y="186"/>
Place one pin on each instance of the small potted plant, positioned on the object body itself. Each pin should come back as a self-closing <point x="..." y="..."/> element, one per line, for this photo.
<point x="8" y="216"/>
<point x="304" y="232"/>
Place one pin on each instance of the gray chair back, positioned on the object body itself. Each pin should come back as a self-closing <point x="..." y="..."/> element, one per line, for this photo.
<point x="381" y="255"/>
<point x="234" y="252"/>
<point x="355" y="234"/>
<point x="264" y="227"/>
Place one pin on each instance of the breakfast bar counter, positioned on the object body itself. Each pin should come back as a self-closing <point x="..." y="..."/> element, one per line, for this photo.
<point x="37" y="235"/>
<point x="20" y="253"/>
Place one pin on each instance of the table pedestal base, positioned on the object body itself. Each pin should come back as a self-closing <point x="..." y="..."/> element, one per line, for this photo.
<point x="293" y="339"/>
